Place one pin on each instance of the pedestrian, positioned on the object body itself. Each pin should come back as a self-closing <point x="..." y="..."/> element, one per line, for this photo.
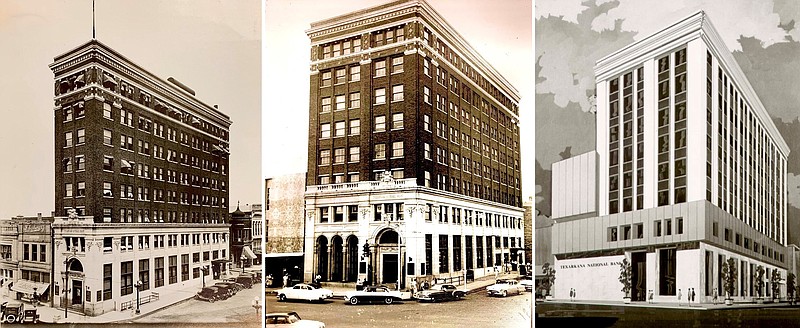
<point x="650" y="297"/>
<point x="269" y="280"/>
<point x="693" y="295"/>
<point x="714" y="299"/>
<point x="679" y="297"/>
<point x="575" y="294"/>
<point x="570" y="294"/>
<point x="496" y="274"/>
<point x="35" y="299"/>
<point x="256" y="305"/>
<point x="413" y="288"/>
<point x="285" y="280"/>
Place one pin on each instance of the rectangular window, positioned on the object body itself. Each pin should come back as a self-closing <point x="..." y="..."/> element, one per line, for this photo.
<point x="340" y="102"/>
<point x="126" y="278"/>
<point x="107" y="111"/>
<point x="355" y="127"/>
<point x="426" y="95"/>
<point x="355" y="100"/>
<point x="338" y="155"/>
<point x="81" y="136"/>
<point x="144" y="274"/>
<point x="324" y="157"/>
<point x="397" y="149"/>
<point x="397" y="92"/>
<point x="355" y="154"/>
<point x="67" y="114"/>
<point x="325" y="130"/>
<point x="341" y="76"/>
<point x="380" y="151"/>
<point x="397" y="121"/>
<point x="184" y="267"/>
<point x="427" y="151"/>
<point x="326" y="79"/>
<point x="355" y="73"/>
<point x="612" y="234"/>
<point x="68" y="139"/>
<point x="173" y="269"/>
<point x="107" y="189"/>
<point x="380" y="123"/>
<point x="426" y="67"/>
<point x="426" y="122"/>
<point x="107" y="281"/>
<point x="354" y="177"/>
<point x="679" y="225"/>
<point x="657" y="228"/>
<point x="339" y="129"/>
<point x="444" y="261"/>
<point x="380" y="96"/>
<point x="397" y="65"/>
<point x="380" y="68"/>
<point x="81" y="189"/>
<point x="326" y="104"/>
<point x="159" y="271"/>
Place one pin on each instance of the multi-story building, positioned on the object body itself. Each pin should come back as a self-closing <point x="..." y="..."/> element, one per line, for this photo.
<point x="257" y="223"/>
<point x="413" y="150"/>
<point x="242" y="237"/>
<point x="26" y="258"/>
<point x="141" y="173"/>
<point x="688" y="180"/>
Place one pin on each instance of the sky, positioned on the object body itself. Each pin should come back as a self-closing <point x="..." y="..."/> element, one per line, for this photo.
<point x="502" y="34"/>
<point x="572" y="35"/>
<point x="209" y="45"/>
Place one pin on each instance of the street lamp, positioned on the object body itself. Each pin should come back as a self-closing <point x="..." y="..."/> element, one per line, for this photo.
<point x="242" y="262"/>
<point x="203" y="274"/>
<point x="138" y="285"/>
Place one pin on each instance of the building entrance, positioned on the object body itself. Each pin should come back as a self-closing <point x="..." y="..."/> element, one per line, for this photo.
<point x="77" y="292"/>
<point x="639" y="276"/>
<point x="389" y="266"/>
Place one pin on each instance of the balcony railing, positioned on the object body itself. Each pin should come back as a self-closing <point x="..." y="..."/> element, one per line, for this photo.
<point x="362" y="186"/>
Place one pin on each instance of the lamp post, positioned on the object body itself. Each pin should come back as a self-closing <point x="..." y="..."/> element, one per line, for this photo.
<point x="138" y="285"/>
<point x="203" y="274"/>
<point x="242" y="258"/>
<point x="65" y="294"/>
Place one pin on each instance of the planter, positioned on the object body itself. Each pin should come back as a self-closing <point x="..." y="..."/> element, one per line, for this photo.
<point x="626" y="300"/>
<point x="759" y="300"/>
<point x="549" y="297"/>
<point x="728" y="301"/>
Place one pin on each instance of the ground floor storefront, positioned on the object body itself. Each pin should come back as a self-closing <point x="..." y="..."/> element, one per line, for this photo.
<point x="668" y="273"/>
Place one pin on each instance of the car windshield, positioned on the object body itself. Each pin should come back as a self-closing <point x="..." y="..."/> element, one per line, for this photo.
<point x="293" y="317"/>
<point x="510" y="282"/>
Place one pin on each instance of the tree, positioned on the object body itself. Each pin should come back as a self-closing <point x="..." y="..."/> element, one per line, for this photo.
<point x="625" y="276"/>
<point x="729" y="277"/>
<point x="790" y="286"/>
<point x="549" y="277"/>
<point x="775" y="283"/>
<point x="759" y="276"/>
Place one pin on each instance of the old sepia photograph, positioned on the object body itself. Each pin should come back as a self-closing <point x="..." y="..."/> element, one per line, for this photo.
<point x="130" y="182"/>
<point x="395" y="140"/>
<point x="666" y="172"/>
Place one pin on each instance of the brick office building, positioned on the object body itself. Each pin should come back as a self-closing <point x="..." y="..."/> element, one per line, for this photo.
<point x="413" y="150"/>
<point x="141" y="174"/>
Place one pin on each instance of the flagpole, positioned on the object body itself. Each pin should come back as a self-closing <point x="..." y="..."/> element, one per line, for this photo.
<point x="93" y="29"/>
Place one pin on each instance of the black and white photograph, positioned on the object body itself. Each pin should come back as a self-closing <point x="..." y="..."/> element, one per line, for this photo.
<point x="666" y="172"/>
<point x="395" y="138"/>
<point x="131" y="173"/>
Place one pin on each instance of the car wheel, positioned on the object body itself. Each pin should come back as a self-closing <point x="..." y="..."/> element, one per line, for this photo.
<point x="388" y="300"/>
<point x="505" y="293"/>
<point x="353" y="300"/>
<point x="282" y="298"/>
<point x="11" y="318"/>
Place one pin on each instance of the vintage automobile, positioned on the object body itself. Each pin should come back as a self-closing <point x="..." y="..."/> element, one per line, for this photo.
<point x="372" y="294"/>
<point x="505" y="287"/>
<point x="212" y="294"/>
<point x="528" y="283"/>
<point x="304" y="292"/>
<point x="229" y="286"/>
<point x="290" y="319"/>
<point x="15" y="312"/>
<point x="441" y="292"/>
<point x="245" y="280"/>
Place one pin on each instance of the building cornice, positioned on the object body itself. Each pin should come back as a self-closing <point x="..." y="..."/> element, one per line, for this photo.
<point x="425" y="14"/>
<point x="110" y="59"/>
<point x="678" y="34"/>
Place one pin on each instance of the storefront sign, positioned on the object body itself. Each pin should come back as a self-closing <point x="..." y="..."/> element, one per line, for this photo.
<point x="588" y="265"/>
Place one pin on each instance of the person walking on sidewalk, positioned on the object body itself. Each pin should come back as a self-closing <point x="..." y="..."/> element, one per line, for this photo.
<point x="286" y="280"/>
<point x="650" y="297"/>
<point x="692" y="295"/>
<point x="256" y="305"/>
<point x="715" y="296"/>
<point x="414" y="288"/>
<point x="679" y="297"/>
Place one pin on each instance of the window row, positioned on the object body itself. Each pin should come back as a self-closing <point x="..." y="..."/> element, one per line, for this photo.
<point x="128" y="215"/>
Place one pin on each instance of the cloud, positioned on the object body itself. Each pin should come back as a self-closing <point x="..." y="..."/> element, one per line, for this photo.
<point x="789" y="11"/>
<point x="731" y="18"/>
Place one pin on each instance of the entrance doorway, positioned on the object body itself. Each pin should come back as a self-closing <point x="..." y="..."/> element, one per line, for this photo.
<point x="639" y="276"/>
<point x="77" y="292"/>
<point x="389" y="268"/>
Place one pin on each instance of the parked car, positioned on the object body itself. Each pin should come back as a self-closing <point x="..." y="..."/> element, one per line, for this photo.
<point x="505" y="287"/>
<point x="211" y="294"/>
<point x="290" y="319"/>
<point x="441" y="292"/>
<point x="245" y="280"/>
<point x="16" y="312"/>
<point x="528" y="284"/>
<point x="372" y="294"/>
<point x="230" y="288"/>
<point x="304" y="292"/>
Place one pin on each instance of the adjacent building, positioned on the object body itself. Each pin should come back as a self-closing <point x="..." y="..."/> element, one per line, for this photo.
<point x="413" y="166"/>
<point x="26" y="258"/>
<point x="284" y="216"/>
<point x="242" y="237"/>
<point x="257" y="243"/>
<point x="141" y="178"/>
<point x="689" y="174"/>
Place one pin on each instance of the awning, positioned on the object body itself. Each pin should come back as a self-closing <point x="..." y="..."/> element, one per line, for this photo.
<point x="248" y="252"/>
<point x="283" y="254"/>
<point x="27" y="286"/>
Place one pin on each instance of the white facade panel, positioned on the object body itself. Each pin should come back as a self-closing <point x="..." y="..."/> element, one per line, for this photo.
<point x="696" y="121"/>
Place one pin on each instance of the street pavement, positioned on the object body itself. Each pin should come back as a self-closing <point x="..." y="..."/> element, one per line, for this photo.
<point x="564" y="314"/>
<point x="168" y="296"/>
<point x="236" y="309"/>
<point x="475" y="310"/>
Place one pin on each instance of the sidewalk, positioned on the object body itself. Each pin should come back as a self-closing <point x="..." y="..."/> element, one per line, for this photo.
<point x="672" y="305"/>
<point x="168" y="295"/>
<point x="479" y="284"/>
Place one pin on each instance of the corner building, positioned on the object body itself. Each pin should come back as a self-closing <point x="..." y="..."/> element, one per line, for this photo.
<point x="141" y="182"/>
<point x="413" y="151"/>
<point x="690" y="172"/>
